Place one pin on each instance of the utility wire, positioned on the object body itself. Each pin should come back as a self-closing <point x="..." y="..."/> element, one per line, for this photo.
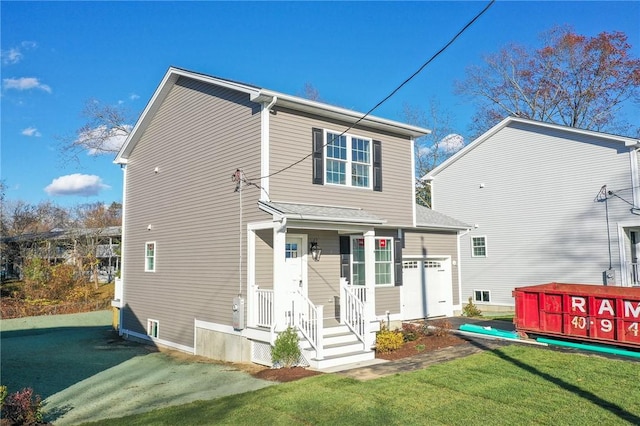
<point x="394" y="91"/>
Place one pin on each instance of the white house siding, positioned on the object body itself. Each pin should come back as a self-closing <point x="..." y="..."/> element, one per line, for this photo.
<point x="197" y="138"/>
<point x="290" y="140"/>
<point x="530" y="190"/>
<point x="435" y="244"/>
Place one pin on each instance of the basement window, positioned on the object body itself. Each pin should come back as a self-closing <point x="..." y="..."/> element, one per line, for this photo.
<point x="481" y="296"/>
<point x="152" y="328"/>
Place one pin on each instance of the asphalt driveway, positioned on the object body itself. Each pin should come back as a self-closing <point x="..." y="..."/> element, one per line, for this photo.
<point x="85" y="372"/>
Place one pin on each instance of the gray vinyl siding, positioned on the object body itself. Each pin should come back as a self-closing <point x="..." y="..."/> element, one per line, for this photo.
<point x="324" y="276"/>
<point x="531" y="192"/>
<point x="433" y="243"/>
<point x="264" y="258"/>
<point x="197" y="138"/>
<point x="290" y="139"/>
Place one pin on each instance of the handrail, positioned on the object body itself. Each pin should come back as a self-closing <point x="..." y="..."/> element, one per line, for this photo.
<point x="308" y="318"/>
<point x="264" y="307"/>
<point x="354" y="315"/>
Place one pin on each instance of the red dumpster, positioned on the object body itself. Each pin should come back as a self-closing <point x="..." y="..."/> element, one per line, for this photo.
<point x="592" y="313"/>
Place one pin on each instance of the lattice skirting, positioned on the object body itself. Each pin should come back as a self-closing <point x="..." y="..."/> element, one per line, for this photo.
<point x="261" y="354"/>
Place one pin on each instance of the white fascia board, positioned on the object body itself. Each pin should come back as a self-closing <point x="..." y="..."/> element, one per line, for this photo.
<point x="330" y="111"/>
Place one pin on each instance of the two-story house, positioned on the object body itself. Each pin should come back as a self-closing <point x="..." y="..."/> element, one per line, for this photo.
<point x="546" y="203"/>
<point x="248" y="210"/>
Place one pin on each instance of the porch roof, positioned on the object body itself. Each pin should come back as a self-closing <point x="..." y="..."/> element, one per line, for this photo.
<point x="426" y="217"/>
<point x="313" y="212"/>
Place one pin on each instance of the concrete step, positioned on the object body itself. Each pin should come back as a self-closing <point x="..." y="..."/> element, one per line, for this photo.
<point x="338" y="360"/>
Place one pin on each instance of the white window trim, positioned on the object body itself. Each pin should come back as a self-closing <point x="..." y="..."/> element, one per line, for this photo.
<point x="391" y="243"/>
<point x="349" y="161"/>
<point x="486" y="250"/>
<point x="155" y="256"/>
<point x="150" y="323"/>
<point x="481" y="291"/>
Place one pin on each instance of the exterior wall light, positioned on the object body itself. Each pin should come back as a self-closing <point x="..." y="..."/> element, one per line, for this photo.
<point x="315" y="251"/>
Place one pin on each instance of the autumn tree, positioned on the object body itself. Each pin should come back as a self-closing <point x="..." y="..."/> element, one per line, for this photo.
<point x="573" y="80"/>
<point x="93" y="220"/>
<point x="434" y="148"/>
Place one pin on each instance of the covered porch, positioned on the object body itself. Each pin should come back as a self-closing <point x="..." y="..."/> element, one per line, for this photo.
<point x="301" y="273"/>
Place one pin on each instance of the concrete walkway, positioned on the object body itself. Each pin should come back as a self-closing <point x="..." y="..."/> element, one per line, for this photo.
<point x="420" y="361"/>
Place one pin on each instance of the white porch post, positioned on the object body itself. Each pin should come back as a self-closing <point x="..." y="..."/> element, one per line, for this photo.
<point x="282" y="301"/>
<point x="370" y="283"/>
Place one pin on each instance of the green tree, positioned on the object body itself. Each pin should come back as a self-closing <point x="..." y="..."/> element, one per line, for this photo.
<point x="434" y="148"/>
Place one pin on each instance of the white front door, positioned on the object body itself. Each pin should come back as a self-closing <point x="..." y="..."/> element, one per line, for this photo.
<point x="426" y="289"/>
<point x="294" y="262"/>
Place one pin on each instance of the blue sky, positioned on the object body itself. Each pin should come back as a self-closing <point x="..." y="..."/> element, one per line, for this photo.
<point x="58" y="55"/>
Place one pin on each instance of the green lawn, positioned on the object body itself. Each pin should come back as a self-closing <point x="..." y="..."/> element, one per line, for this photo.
<point x="516" y="384"/>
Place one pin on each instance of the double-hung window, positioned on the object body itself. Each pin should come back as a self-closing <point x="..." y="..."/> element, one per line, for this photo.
<point x="348" y="160"/>
<point x="478" y="247"/>
<point x="383" y="258"/>
<point x="150" y="257"/>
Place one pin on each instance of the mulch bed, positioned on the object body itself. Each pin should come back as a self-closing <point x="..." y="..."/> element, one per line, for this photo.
<point x="421" y="345"/>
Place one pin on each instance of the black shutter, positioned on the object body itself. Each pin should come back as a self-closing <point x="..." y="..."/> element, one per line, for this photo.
<point x="345" y="257"/>
<point x="377" y="166"/>
<point x="318" y="160"/>
<point x="397" y="261"/>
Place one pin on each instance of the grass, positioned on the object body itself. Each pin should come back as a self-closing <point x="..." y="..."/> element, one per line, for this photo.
<point x="511" y="385"/>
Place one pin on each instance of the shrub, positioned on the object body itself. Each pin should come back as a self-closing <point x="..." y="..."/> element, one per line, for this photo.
<point x="410" y="332"/>
<point x="388" y="341"/>
<point x="22" y="408"/>
<point x="471" y="310"/>
<point x="286" y="351"/>
<point x="441" y="328"/>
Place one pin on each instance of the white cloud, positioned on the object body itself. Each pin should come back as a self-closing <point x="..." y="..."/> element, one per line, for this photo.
<point x="24" y="83"/>
<point x="76" y="184"/>
<point x="15" y="55"/>
<point x="11" y="56"/>
<point x="31" y="131"/>
<point x="452" y="143"/>
<point x="133" y="97"/>
<point x="102" y="140"/>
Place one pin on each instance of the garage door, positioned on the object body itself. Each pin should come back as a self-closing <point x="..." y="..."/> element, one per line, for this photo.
<point x="426" y="289"/>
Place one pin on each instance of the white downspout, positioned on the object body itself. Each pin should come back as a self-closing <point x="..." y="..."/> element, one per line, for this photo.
<point x="265" y="147"/>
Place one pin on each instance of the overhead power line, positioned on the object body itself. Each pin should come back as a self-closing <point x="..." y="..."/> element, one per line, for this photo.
<point x="394" y="91"/>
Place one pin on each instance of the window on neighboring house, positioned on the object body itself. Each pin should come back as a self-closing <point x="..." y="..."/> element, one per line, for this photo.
<point x="152" y="327"/>
<point x="346" y="160"/>
<point x="150" y="257"/>
<point x="384" y="265"/>
<point x="481" y="296"/>
<point x="479" y="247"/>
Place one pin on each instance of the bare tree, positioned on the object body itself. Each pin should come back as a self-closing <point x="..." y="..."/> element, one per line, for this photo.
<point x="434" y="148"/>
<point x="573" y="80"/>
<point x="105" y="130"/>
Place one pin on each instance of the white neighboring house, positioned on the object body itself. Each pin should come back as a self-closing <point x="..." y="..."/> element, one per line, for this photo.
<point x="545" y="203"/>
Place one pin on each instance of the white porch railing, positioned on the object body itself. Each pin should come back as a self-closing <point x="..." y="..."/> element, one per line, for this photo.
<point x="304" y="316"/>
<point x="308" y="318"/>
<point x="634" y="274"/>
<point x="264" y="307"/>
<point x="352" y="309"/>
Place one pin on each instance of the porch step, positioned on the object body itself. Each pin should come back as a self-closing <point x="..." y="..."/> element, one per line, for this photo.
<point x="343" y="359"/>
<point x="340" y="347"/>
